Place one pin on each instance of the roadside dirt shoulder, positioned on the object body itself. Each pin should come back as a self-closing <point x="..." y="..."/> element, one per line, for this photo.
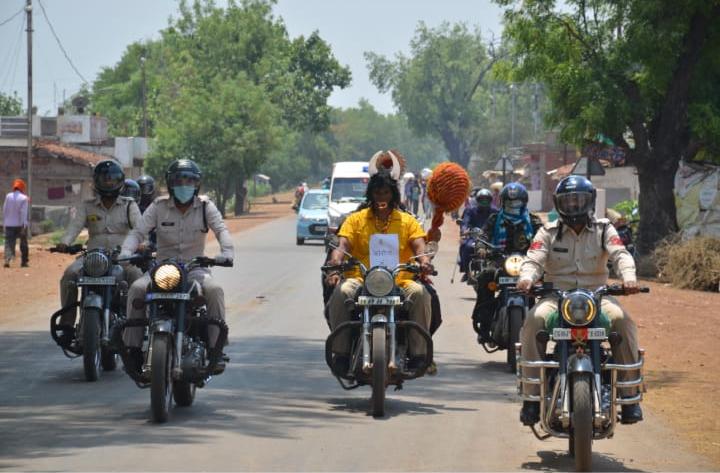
<point x="21" y="289"/>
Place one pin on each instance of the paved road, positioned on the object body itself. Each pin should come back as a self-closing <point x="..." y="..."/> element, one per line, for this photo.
<point x="277" y="407"/>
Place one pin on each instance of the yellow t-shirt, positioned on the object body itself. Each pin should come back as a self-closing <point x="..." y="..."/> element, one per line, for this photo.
<point x="361" y="225"/>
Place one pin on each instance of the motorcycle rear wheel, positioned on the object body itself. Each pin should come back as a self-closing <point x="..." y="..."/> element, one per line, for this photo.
<point x="581" y="433"/>
<point x="184" y="393"/>
<point x="379" y="370"/>
<point x="161" y="378"/>
<point x="92" y="353"/>
<point x="515" y="322"/>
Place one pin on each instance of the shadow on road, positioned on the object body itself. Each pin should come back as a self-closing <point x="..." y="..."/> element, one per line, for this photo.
<point x="561" y="461"/>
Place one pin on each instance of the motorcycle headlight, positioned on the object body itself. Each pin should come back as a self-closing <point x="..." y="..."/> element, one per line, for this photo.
<point x="379" y="282"/>
<point x="578" y="309"/>
<point x="96" y="264"/>
<point x="512" y="265"/>
<point x="167" y="277"/>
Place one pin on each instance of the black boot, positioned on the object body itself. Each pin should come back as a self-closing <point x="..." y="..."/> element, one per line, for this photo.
<point x="341" y="365"/>
<point x="530" y="413"/>
<point x="216" y="361"/>
<point x="133" y="360"/>
<point x="66" y="335"/>
<point x="631" y="414"/>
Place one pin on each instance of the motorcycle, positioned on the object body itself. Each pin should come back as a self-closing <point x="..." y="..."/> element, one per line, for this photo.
<point x="578" y="381"/>
<point x="379" y="334"/>
<point x="511" y="306"/>
<point x="103" y="294"/>
<point x="176" y="361"/>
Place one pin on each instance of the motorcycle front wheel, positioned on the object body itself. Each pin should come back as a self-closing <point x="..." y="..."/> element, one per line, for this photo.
<point x="161" y="378"/>
<point x="379" y="370"/>
<point x="92" y="353"/>
<point x="581" y="433"/>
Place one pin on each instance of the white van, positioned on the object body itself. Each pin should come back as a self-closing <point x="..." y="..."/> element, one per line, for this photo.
<point x="347" y="190"/>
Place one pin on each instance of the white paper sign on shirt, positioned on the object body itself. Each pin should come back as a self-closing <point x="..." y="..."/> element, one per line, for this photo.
<point x="384" y="250"/>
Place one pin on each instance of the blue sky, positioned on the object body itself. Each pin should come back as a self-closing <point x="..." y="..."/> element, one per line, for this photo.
<point x="96" y="32"/>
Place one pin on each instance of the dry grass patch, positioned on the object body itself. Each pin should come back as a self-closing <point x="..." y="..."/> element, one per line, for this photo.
<point x="691" y="264"/>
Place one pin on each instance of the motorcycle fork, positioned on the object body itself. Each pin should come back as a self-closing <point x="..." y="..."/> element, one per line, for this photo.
<point x="367" y="365"/>
<point x="107" y="300"/>
<point x="392" y="327"/>
<point x="180" y="311"/>
<point x="598" y="417"/>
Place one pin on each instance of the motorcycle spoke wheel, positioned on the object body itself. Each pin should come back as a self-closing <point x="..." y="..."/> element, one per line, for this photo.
<point x="581" y="433"/>
<point x="92" y="353"/>
<point x="161" y="380"/>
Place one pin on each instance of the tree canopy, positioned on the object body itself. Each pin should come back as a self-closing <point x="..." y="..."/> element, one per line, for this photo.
<point x="10" y="105"/>
<point x="643" y="72"/>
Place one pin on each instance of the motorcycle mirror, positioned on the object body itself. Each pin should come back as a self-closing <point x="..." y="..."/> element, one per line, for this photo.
<point x="337" y="247"/>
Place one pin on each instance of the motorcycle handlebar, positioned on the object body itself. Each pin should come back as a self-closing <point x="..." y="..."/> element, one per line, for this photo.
<point x="71" y="250"/>
<point x="206" y="262"/>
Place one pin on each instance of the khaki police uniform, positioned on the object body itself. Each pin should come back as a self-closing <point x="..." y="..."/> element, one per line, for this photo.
<point x="181" y="236"/>
<point x="568" y="260"/>
<point x="107" y="228"/>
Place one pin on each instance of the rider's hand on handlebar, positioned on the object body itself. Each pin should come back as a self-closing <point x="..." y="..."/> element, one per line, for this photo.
<point x="426" y="268"/>
<point x="631" y="287"/>
<point x="524" y="285"/>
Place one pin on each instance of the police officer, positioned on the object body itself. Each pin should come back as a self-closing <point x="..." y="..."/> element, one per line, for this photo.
<point x="108" y="217"/>
<point x="131" y="189"/>
<point x="182" y="221"/>
<point x="512" y="228"/>
<point x="573" y="252"/>
<point x="474" y="217"/>
<point x="147" y="191"/>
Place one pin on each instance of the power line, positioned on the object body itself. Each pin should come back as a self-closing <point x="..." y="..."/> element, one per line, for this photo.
<point x="12" y="17"/>
<point x="11" y="61"/>
<point x="42" y="7"/>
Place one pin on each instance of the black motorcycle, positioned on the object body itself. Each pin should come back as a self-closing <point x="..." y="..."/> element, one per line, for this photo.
<point x="177" y="355"/>
<point x="498" y="271"/>
<point x="379" y="334"/>
<point x="578" y="380"/>
<point x="103" y="295"/>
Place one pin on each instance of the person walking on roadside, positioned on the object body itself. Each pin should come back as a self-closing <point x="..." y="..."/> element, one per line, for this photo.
<point x="15" y="221"/>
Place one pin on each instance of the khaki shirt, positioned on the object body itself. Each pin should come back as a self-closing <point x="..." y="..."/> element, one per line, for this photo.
<point x="576" y="260"/>
<point x="107" y="228"/>
<point x="180" y="235"/>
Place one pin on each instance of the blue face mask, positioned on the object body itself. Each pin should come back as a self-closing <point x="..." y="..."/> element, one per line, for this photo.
<point x="183" y="194"/>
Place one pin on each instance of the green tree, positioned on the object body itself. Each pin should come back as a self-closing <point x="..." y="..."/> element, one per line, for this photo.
<point x="10" y="105"/>
<point x="436" y="88"/>
<point x="643" y="72"/>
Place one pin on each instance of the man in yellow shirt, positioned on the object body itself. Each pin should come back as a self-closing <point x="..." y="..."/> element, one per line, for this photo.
<point x="379" y="215"/>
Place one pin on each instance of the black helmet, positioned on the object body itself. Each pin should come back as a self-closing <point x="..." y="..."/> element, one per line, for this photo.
<point x="108" y="178"/>
<point x="484" y="198"/>
<point x="514" y="198"/>
<point x="131" y="189"/>
<point x="180" y="173"/>
<point x="574" y="199"/>
<point x="147" y="185"/>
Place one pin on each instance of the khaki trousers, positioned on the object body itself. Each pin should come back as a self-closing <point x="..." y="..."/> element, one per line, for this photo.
<point x="420" y="312"/>
<point x="213" y="292"/>
<point x="625" y="352"/>
<point x="69" y="291"/>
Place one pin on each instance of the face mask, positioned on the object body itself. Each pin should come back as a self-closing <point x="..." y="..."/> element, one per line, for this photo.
<point x="183" y="194"/>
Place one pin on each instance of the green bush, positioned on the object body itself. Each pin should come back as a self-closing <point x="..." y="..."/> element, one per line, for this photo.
<point x="47" y="226"/>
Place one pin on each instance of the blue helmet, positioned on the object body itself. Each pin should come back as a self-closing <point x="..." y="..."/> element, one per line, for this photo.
<point x="575" y="199"/>
<point x="514" y="198"/>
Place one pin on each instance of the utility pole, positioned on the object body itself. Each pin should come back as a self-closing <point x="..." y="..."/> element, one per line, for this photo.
<point x="28" y="11"/>
<point x="512" y="116"/>
<point x="144" y="96"/>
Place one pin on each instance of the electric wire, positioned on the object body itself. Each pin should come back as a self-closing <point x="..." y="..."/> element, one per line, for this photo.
<point x="11" y="63"/>
<point x="12" y="17"/>
<point x="62" y="48"/>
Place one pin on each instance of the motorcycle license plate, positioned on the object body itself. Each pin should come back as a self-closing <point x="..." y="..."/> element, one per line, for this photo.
<point x="103" y="281"/>
<point x="388" y="300"/>
<point x="597" y="333"/>
<point x="508" y="280"/>
<point x="174" y="296"/>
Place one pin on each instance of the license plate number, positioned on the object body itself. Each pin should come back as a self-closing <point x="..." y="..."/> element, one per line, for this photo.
<point x="508" y="280"/>
<point x="390" y="300"/>
<point x="174" y="296"/>
<point x="597" y="333"/>
<point x="103" y="281"/>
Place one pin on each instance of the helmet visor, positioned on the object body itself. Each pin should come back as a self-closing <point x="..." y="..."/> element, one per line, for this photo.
<point x="147" y="188"/>
<point x="183" y="178"/>
<point x="110" y="179"/>
<point x="574" y="204"/>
